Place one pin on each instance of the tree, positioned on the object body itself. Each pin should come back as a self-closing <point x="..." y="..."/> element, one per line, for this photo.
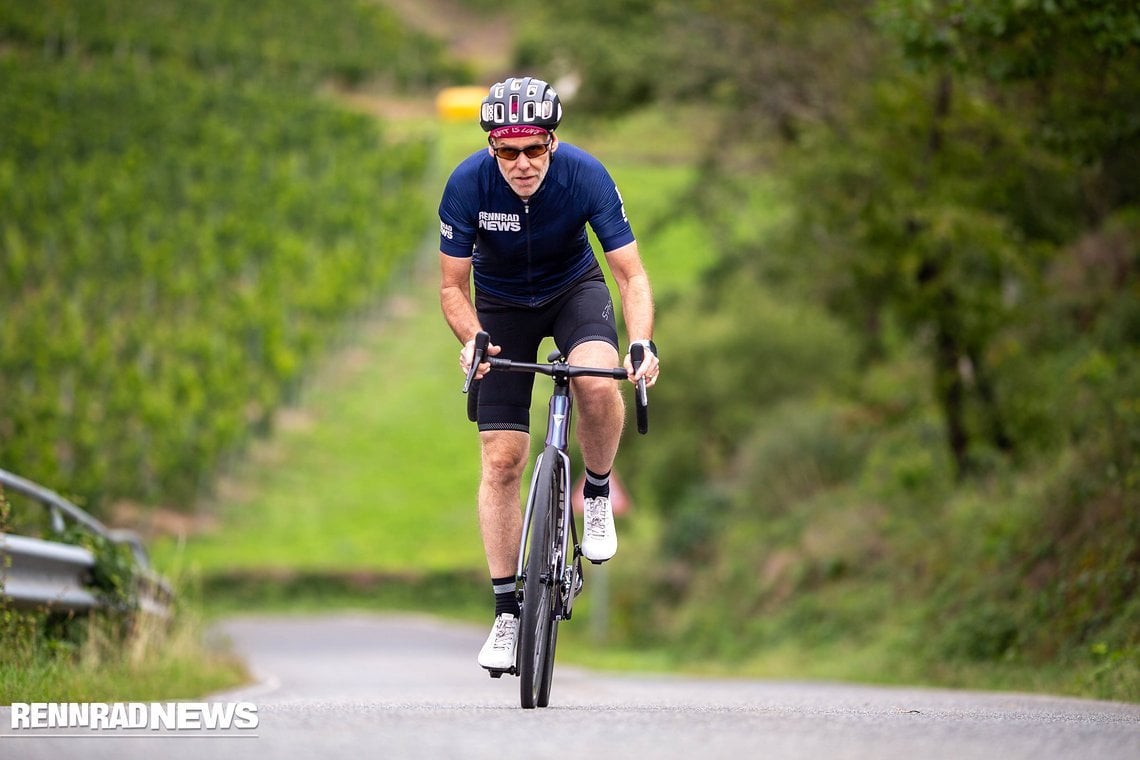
<point x="943" y="156"/>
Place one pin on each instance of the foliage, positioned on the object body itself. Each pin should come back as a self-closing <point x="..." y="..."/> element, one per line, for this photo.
<point x="756" y="61"/>
<point x="961" y="204"/>
<point x="1071" y="64"/>
<point x="183" y="228"/>
<point x="115" y="577"/>
<point x="296" y="44"/>
<point x="696" y="435"/>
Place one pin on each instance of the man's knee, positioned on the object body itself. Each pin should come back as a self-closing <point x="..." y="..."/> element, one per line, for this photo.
<point x="504" y="455"/>
<point x="596" y="393"/>
<point x="593" y="392"/>
<point x="594" y="353"/>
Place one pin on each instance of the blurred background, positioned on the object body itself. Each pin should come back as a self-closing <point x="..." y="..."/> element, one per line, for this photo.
<point x="894" y="246"/>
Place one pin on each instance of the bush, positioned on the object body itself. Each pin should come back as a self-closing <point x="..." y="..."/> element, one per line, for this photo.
<point x="742" y="351"/>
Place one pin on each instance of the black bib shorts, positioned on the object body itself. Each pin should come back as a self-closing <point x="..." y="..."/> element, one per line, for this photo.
<point x="585" y="312"/>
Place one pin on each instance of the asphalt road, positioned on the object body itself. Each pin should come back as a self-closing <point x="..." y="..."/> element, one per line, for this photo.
<point x="362" y="685"/>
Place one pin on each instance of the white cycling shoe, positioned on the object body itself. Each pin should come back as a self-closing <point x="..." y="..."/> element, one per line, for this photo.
<point x="498" y="652"/>
<point x="599" y="539"/>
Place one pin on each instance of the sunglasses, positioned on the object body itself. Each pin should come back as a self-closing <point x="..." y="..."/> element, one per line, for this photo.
<point x="531" y="151"/>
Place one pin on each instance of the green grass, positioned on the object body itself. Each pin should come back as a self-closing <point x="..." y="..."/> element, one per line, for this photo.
<point x="88" y="660"/>
<point x="375" y="470"/>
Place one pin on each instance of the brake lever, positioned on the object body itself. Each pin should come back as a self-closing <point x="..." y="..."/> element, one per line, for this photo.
<point x="482" y="340"/>
<point x="636" y="357"/>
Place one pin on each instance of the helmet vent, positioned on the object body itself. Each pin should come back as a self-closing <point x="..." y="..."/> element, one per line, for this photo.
<point x="521" y="101"/>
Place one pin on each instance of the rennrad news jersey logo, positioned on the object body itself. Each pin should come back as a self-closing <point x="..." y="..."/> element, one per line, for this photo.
<point x="134" y="716"/>
<point x="495" y="222"/>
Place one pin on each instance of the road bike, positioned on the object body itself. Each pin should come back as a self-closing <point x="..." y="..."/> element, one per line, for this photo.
<point x="550" y="555"/>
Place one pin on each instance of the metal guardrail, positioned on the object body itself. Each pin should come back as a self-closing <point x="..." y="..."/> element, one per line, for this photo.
<point x="46" y="574"/>
<point x="40" y="574"/>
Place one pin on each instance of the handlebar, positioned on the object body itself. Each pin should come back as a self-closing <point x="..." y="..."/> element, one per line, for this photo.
<point x="555" y="369"/>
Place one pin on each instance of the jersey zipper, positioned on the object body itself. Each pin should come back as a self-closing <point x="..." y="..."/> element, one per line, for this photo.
<point x="529" y="262"/>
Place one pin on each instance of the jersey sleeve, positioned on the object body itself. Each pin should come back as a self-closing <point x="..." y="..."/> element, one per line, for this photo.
<point x="607" y="210"/>
<point x="457" y="214"/>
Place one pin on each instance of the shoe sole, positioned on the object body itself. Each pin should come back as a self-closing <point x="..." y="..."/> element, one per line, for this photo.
<point x="499" y="672"/>
<point x="600" y="561"/>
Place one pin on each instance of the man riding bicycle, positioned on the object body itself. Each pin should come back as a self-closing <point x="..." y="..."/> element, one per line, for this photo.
<point x="515" y="213"/>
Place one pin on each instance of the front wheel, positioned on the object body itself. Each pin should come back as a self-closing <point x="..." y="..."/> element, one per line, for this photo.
<point x="537" y="636"/>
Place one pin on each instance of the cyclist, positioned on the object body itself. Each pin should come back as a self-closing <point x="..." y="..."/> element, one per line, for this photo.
<point x="515" y="213"/>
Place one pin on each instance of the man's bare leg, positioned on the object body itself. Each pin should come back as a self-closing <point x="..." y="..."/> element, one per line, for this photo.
<point x="600" y="408"/>
<point x="500" y="514"/>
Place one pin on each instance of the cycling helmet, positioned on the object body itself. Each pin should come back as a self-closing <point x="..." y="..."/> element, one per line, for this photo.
<point x="517" y="106"/>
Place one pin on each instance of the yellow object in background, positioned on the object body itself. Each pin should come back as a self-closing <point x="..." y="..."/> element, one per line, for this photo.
<point x="459" y="103"/>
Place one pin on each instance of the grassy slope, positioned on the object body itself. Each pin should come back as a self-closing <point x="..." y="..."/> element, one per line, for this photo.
<point x="374" y="471"/>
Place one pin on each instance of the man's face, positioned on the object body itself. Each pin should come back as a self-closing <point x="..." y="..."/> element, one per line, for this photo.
<point x="523" y="174"/>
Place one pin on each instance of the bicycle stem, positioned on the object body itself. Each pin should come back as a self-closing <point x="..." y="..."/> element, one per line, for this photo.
<point x="561" y="405"/>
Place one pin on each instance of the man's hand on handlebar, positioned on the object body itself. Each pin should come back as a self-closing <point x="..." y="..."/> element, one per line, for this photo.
<point x="467" y="354"/>
<point x="649" y="369"/>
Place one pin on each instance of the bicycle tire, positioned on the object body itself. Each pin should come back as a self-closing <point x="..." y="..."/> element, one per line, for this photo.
<point x="558" y="508"/>
<point x="536" y="637"/>
<point x="548" y="667"/>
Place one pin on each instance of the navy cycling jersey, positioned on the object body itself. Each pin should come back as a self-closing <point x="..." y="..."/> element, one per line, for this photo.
<point x="528" y="252"/>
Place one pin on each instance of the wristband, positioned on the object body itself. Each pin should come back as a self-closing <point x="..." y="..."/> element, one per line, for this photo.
<point x="648" y="343"/>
